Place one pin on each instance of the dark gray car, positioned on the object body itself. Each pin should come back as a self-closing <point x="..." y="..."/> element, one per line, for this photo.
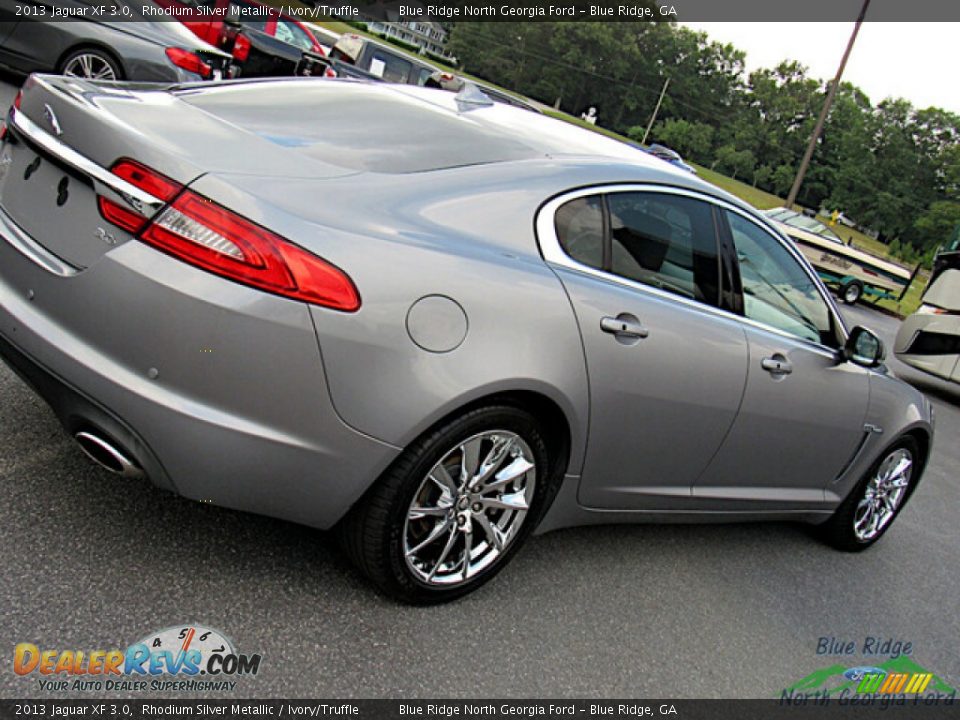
<point x="120" y="42"/>
<point x="431" y="323"/>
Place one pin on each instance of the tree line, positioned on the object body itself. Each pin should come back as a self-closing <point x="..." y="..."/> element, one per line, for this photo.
<point x="890" y="167"/>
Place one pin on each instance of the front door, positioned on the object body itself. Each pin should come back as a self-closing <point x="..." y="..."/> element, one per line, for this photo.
<point x="802" y="417"/>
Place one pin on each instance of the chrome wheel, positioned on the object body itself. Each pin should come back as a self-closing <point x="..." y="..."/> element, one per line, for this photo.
<point x="91" y="66"/>
<point x="883" y="495"/>
<point x="469" y="508"/>
<point x="851" y="294"/>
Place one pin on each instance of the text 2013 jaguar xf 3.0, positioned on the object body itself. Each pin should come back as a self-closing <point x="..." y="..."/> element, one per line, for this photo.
<point x="432" y="322"/>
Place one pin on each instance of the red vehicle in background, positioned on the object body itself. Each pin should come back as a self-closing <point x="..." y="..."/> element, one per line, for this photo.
<point x="250" y="14"/>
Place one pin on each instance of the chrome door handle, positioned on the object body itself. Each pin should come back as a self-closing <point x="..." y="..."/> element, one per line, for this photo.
<point x="623" y="325"/>
<point x="777" y="365"/>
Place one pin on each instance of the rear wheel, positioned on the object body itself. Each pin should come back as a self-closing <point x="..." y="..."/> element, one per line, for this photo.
<point x="851" y="292"/>
<point x="454" y="508"/>
<point x="869" y="510"/>
<point x="91" y="64"/>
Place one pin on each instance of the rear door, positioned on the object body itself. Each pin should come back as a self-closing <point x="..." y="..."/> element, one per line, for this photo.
<point x="666" y="369"/>
<point x="802" y="416"/>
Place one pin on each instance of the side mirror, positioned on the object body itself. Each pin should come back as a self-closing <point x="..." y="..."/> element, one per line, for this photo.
<point x="864" y="348"/>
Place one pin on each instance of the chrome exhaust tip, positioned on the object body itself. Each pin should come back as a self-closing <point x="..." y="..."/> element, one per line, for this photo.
<point x="107" y="456"/>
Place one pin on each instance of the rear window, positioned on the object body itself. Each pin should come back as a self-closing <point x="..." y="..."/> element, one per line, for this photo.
<point x="392" y="128"/>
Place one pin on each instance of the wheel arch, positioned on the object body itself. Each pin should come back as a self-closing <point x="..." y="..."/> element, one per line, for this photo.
<point x="924" y="442"/>
<point x="87" y="44"/>
<point x="558" y="431"/>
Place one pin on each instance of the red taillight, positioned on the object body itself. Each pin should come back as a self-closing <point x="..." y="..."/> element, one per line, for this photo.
<point x="146" y="179"/>
<point x="330" y="72"/>
<point x="241" y="48"/>
<point x="189" y="61"/>
<point x="209" y="236"/>
<point x="142" y="177"/>
<point x="203" y="233"/>
<point x="3" y="125"/>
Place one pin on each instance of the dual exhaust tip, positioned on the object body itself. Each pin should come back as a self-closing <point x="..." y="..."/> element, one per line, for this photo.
<point x="107" y="455"/>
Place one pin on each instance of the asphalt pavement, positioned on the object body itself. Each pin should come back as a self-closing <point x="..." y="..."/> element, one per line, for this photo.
<point x="89" y="561"/>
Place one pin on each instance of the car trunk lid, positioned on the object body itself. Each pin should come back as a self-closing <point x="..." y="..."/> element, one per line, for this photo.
<point x="67" y="134"/>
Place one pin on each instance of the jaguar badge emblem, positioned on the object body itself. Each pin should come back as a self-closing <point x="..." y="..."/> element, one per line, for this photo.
<point x="51" y="117"/>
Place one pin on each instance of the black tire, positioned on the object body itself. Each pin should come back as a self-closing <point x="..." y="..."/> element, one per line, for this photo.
<point x="838" y="531"/>
<point x="372" y="534"/>
<point x="100" y="56"/>
<point x="851" y="292"/>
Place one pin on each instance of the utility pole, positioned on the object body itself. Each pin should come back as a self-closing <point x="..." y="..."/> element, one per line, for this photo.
<point x="831" y="93"/>
<point x="653" y="117"/>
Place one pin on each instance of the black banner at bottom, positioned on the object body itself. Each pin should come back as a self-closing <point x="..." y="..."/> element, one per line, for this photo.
<point x="858" y="706"/>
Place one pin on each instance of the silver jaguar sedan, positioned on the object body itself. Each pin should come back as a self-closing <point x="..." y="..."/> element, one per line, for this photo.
<point x="434" y="323"/>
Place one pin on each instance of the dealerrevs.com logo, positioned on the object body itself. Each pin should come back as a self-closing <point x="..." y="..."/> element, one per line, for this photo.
<point x="181" y="658"/>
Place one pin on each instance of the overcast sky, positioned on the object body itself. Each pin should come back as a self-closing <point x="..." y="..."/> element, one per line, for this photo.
<point x="916" y="61"/>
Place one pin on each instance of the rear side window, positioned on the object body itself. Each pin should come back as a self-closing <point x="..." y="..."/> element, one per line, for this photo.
<point x="662" y="240"/>
<point x="389" y="67"/>
<point x="579" y="226"/>
<point x="292" y="34"/>
<point x="666" y="241"/>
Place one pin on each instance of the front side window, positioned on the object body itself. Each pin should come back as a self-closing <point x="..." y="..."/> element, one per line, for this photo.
<point x="777" y="290"/>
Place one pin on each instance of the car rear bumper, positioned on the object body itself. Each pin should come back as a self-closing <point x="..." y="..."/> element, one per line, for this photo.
<point x="216" y="390"/>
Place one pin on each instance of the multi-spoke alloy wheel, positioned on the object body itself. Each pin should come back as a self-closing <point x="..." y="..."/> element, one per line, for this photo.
<point x="456" y="505"/>
<point x="871" y="507"/>
<point x="91" y="66"/>
<point x="469" y="507"/>
<point x="883" y="495"/>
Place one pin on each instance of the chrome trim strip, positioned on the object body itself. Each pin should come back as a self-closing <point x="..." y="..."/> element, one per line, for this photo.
<point x="144" y="203"/>
<point x="554" y="254"/>
<point x="31" y="249"/>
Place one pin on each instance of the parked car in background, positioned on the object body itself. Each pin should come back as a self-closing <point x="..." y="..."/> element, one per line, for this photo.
<point x="668" y="155"/>
<point x="256" y="54"/>
<point x="929" y="340"/>
<point x="415" y="360"/>
<point x="851" y="272"/>
<point x="140" y="49"/>
<point x="249" y="13"/>
<point x="382" y="62"/>
<point x="262" y="41"/>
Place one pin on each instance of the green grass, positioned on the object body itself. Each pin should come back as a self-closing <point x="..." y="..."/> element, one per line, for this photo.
<point x="756" y="197"/>
<point x="911" y="301"/>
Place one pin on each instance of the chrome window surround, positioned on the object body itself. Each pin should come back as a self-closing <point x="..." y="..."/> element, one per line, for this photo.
<point x="143" y="202"/>
<point x="553" y="253"/>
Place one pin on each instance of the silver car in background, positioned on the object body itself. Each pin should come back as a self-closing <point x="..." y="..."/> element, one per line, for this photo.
<point x="431" y="322"/>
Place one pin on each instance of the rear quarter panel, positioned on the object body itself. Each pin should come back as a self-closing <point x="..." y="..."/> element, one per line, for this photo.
<point x="400" y="242"/>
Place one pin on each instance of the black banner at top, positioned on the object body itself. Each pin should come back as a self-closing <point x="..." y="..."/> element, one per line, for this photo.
<point x="495" y="10"/>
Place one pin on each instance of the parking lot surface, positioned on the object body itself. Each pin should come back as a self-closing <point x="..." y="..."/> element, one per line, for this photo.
<point x="90" y="561"/>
